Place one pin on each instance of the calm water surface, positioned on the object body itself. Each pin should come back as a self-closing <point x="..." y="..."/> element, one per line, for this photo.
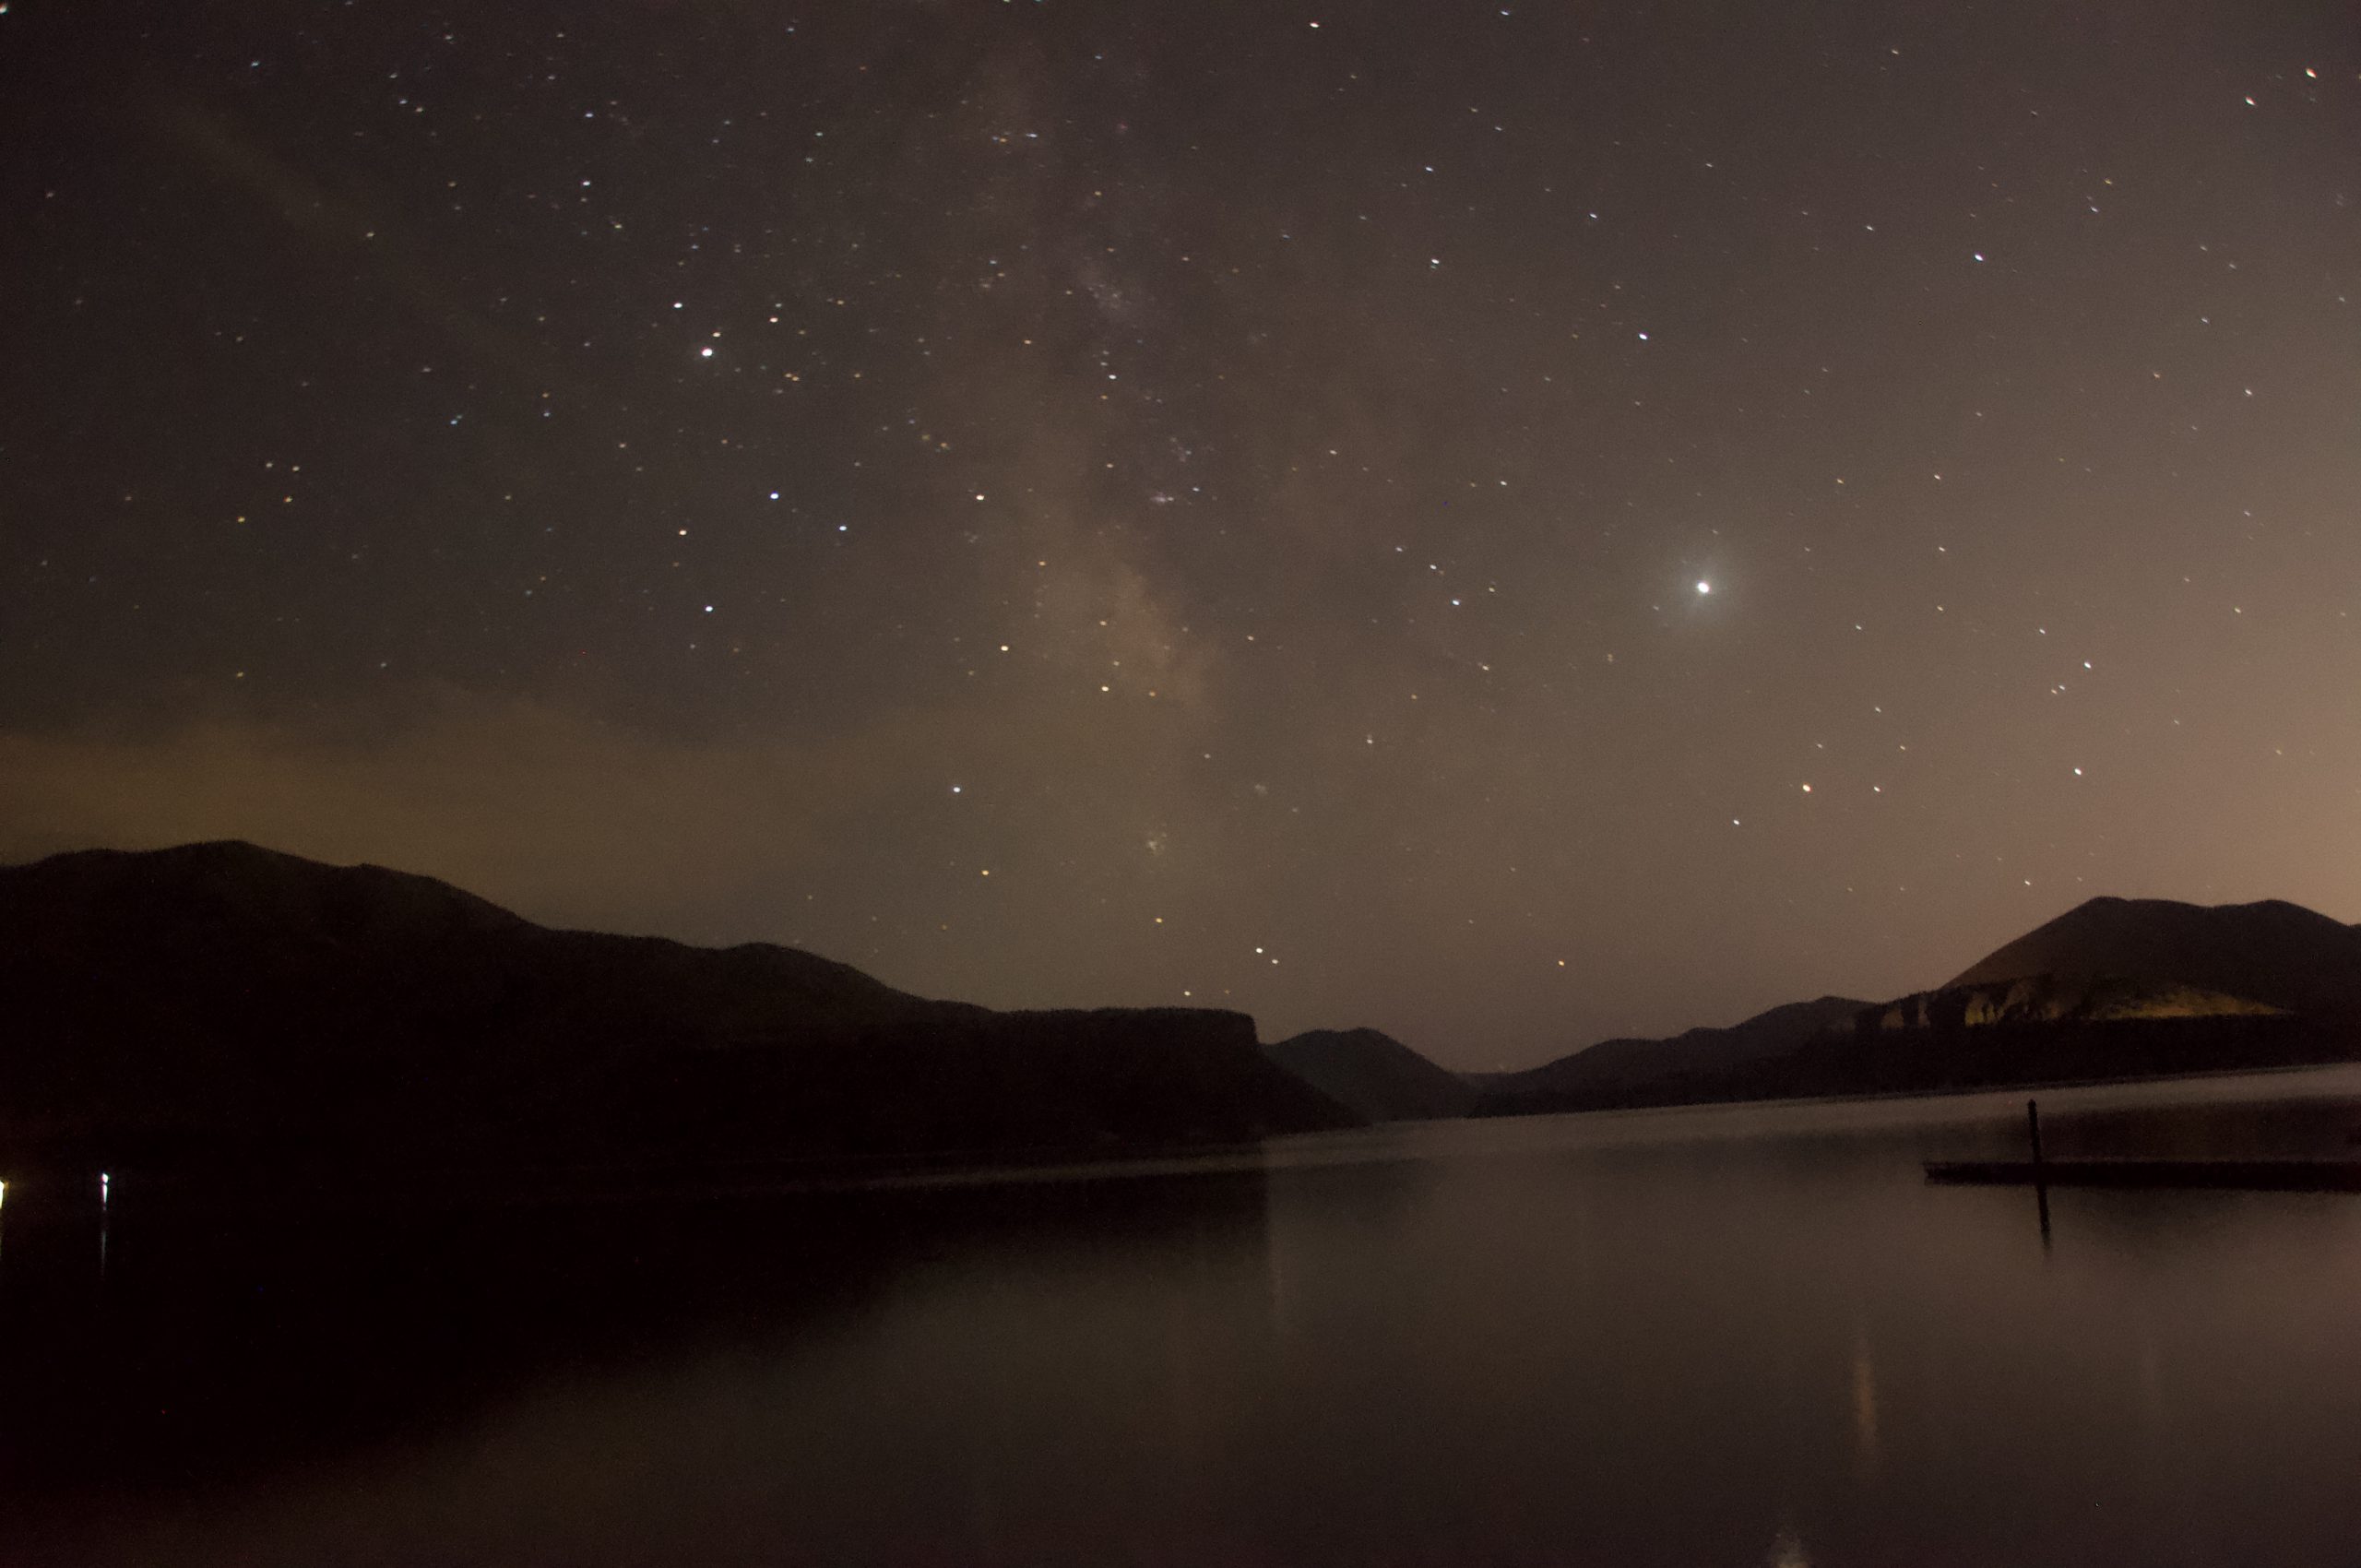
<point x="1730" y="1335"/>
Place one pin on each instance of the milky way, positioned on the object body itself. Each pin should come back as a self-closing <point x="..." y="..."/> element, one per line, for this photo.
<point x="1503" y="523"/>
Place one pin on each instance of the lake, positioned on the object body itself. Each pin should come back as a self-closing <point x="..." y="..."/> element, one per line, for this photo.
<point x="1747" y="1335"/>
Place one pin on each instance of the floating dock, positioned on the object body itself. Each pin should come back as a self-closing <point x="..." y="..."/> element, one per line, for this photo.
<point x="2253" y="1175"/>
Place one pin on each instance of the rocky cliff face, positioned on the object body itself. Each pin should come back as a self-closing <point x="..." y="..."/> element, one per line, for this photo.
<point x="2049" y="999"/>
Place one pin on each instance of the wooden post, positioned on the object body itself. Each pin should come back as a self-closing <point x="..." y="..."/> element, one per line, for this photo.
<point x="2040" y="1182"/>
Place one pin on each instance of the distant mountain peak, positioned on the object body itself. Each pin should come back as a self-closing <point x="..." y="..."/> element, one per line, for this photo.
<point x="2271" y="951"/>
<point x="1373" y="1074"/>
<point x="2113" y="987"/>
<point x="2115" y="904"/>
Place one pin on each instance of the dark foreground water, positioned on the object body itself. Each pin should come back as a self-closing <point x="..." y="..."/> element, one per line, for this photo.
<point x="1742" y="1336"/>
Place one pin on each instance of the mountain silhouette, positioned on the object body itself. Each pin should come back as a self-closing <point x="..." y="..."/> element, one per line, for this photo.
<point x="1615" y="1070"/>
<point x="221" y="997"/>
<point x="2113" y="989"/>
<point x="1373" y="1074"/>
<point x="2271" y="952"/>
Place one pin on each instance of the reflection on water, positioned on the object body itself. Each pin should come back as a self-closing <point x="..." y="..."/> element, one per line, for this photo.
<point x="1740" y="1336"/>
<point x="1864" y="1410"/>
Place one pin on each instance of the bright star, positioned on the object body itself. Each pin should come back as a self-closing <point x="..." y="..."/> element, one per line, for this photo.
<point x="1705" y="587"/>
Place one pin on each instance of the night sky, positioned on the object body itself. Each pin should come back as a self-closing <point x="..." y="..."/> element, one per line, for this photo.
<point x="1505" y="524"/>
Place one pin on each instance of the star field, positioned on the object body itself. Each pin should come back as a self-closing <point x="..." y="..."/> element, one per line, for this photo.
<point x="1501" y="524"/>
